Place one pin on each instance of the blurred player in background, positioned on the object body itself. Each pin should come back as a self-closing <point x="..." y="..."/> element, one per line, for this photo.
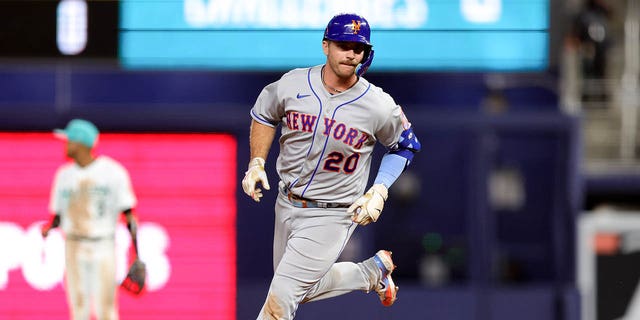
<point x="87" y="197"/>
<point x="331" y="120"/>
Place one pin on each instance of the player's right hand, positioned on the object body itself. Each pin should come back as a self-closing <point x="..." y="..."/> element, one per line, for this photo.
<point x="255" y="174"/>
<point x="45" y="230"/>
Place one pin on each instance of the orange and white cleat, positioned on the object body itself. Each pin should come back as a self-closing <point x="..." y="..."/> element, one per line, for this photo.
<point x="386" y="288"/>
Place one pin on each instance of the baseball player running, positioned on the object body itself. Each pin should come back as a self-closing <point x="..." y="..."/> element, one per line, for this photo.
<point x="87" y="197"/>
<point x="331" y="118"/>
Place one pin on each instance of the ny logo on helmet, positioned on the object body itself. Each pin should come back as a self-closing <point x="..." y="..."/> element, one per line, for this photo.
<point x="355" y="26"/>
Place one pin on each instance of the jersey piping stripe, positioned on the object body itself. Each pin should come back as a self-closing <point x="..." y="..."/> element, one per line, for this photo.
<point x="313" y="135"/>
<point x="324" y="148"/>
<point x="261" y="120"/>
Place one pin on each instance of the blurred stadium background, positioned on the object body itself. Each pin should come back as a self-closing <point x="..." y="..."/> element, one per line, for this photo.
<point x="524" y="203"/>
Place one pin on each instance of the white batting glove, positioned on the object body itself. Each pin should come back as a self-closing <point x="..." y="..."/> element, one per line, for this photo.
<point x="255" y="174"/>
<point x="368" y="207"/>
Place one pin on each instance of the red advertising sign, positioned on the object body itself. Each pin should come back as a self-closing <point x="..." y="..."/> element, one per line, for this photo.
<point x="185" y="185"/>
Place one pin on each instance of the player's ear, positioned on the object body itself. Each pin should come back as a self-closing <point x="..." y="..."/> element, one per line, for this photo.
<point x="325" y="47"/>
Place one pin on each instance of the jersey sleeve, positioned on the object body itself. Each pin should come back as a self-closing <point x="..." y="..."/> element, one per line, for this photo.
<point x="55" y="198"/>
<point x="269" y="108"/>
<point x="126" y="199"/>
<point x="392" y="126"/>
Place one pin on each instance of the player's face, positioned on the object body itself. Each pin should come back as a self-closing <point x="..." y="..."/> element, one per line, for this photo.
<point x="343" y="57"/>
<point x="72" y="148"/>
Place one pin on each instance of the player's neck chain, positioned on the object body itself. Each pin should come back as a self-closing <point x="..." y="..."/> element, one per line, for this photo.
<point x="332" y="90"/>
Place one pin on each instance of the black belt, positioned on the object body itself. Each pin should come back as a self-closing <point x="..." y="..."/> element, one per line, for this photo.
<point x="300" y="202"/>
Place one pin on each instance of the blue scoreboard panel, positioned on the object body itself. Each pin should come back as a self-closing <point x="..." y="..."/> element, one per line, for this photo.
<point x="408" y="35"/>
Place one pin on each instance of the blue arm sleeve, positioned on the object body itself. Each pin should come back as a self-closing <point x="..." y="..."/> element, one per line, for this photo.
<point x="391" y="166"/>
<point x="397" y="159"/>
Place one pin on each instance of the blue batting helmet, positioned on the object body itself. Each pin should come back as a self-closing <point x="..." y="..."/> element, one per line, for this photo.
<point x="348" y="27"/>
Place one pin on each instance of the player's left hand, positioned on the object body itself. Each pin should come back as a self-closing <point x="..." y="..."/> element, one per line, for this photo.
<point x="136" y="277"/>
<point x="368" y="207"/>
<point x="255" y="174"/>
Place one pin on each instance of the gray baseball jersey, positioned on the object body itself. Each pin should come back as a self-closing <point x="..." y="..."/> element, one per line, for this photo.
<point x="327" y="140"/>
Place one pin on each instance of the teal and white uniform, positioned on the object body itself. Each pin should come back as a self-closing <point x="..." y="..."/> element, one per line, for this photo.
<point x="89" y="201"/>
